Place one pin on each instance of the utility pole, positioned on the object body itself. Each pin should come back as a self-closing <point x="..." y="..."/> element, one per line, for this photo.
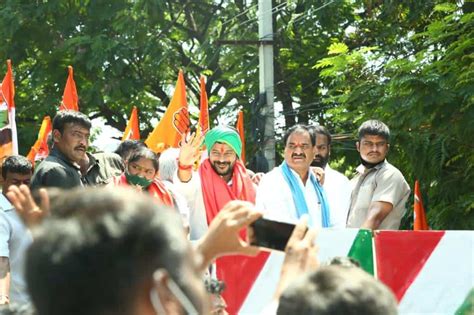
<point x="265" y="34"/>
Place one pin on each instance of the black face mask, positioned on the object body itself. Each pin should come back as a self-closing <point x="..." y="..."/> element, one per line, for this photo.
<point x="368" y="164"/>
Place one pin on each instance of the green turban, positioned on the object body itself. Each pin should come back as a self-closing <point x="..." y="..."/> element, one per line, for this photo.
<point x="225" y="135"/>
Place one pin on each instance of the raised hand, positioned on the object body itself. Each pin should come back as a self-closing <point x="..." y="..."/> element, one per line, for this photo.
<point x="189" y="153"/>
<point x="25" y="205"/>
<point x="223" y="238"/>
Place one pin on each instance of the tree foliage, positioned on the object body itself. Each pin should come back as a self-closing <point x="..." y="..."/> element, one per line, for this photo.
<point x="337" y="63"/>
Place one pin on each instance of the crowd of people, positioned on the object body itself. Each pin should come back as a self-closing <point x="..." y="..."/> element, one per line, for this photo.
<point x="72" y="242"/>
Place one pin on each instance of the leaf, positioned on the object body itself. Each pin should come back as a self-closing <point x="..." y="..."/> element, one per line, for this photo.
<point x="338" y="48"/>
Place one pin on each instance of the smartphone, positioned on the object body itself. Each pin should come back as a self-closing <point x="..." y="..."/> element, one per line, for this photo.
<point x="271" y="234"/>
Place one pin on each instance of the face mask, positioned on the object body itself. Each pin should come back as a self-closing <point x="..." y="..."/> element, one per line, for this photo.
<point x="136" y="180"/>
<point x="177" y="292"/>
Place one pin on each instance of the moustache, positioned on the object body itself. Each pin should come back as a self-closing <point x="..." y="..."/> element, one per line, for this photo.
<point x="298" y="155"/>
<point x="221" y="163"/>
<point x="80" y="147"/>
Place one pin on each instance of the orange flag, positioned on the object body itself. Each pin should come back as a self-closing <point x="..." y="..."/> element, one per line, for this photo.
<point x="204" y="109"/>
<point x="40" y="149"/>
<point x="132" y="131"/>
<point x="419" y="217"/>
<point x="240" y="129"/>
<point x="174" y="123"/>
<point x="8" y="135"/>
<point x="70" y="97"/>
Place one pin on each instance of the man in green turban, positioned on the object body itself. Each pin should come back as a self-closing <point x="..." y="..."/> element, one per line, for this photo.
<point x="221" y="177"/>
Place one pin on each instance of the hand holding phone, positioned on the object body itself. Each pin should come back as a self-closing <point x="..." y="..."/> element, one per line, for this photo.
<point x="270" y="234"/>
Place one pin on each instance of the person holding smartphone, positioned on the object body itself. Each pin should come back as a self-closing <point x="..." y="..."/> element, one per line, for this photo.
<point x="292" y="189"/>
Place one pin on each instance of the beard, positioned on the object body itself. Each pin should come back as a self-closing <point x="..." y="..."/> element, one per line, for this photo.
<point x="320" y="161"/>
<point x="230" y="167"/>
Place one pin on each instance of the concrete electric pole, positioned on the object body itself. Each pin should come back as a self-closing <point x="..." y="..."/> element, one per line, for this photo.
<point x="265" y="33"/>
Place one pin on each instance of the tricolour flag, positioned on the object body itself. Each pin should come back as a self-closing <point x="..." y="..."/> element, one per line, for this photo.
<point x="430" y="272"/>
<point x="419" y="216"/>
<point x="8" y="135"/>
<point x="204" y="108"/>
<point x="132" y="131"/>
<point x="174" y="123"/>
<point x="70" y="98"/>
<point x="240" y="129"/>
<point x="40" y="149"/>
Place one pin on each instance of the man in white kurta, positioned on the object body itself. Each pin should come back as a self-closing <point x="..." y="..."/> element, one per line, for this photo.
<point x="275" y="197"/>
<point x="337" y="186"/>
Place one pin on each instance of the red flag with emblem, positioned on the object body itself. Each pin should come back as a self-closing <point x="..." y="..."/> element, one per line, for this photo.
<point x="174" y="123"/>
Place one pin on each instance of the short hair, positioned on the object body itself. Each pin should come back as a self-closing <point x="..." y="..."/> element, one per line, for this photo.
<point x="16" y="164"/>
<point x="374" y="128"/>
<point x="144" y="153"/>
<point x="337" y="290"/>
<point x="64" y="117"/>
<point x="99" y="247"/>
<point x="299" y="128"/>
<point x="168" y="163"/>
<point x="126" y="147"/>
<point x="320" y="130"/>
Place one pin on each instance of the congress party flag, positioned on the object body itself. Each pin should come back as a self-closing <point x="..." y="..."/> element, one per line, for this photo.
<point x="240" y="129"/>
<point x="204" y="108"/>
<point x="174" y="123"/>
<point x="419" y="216"/>
<point x="40" y="149"/>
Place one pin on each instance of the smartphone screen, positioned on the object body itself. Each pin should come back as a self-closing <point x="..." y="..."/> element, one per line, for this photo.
<point x="271" y="234"/>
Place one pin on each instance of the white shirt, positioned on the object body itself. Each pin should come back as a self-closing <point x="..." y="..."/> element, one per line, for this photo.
<point x="275" y="199"/>
<point x="338" y="191"/>
<point x="15" y="239"/>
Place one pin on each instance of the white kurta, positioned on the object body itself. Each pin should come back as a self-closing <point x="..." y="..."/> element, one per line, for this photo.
<point x="338" y="191"/>
<point x="275" y="199"/>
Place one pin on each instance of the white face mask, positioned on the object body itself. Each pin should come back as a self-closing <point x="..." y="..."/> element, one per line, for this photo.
<point x="177" y="292"/>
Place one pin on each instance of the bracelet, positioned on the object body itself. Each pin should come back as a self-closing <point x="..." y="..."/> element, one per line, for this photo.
<point x="184" y="167"/>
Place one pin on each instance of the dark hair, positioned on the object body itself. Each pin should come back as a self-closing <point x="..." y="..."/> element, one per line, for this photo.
<point x="16" y="164"/>
<point x="320" y="130"/>
<point x="144" y="153"/>
<point x="299" y="128"/>
<point x="337" y="290"/>
<point x="344" y="262"/>
<point x="374" y="128"/>
<point x="64" y="117"/>
<point x="93" y="255"/>
<point x="126" y="148"/>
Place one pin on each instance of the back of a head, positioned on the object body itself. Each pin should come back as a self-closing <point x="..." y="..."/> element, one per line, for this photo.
<point x="16" y="164"/>
<point x="374" y="128"/>
<point x="127" y="147"/>
<point x="70" y="117"/>
<point x="168" y="163"/>
<point x="98" y="248"/>
<point x="337" y="290"/>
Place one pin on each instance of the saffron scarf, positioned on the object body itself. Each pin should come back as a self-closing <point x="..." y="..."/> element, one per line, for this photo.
<point x="156" y="189"/>
<point x="216" y="193"/>
<point x="300" y="200"/>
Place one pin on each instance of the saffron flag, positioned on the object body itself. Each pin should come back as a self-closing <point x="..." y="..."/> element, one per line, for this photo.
<point x="240" y="129"/>
<point x="174" y="123"/>
<point x="40" y="149"/>
<point x="70" y="97"/>
<point x="204" y="109"/>
<point x="419" y="216"/>
<point x="8" y="135"/>
<point x="132" y="131"/>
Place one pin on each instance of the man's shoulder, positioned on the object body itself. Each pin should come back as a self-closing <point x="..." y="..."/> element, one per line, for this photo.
<point x="389" y="169"/>
<point x="336" y="174"/>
